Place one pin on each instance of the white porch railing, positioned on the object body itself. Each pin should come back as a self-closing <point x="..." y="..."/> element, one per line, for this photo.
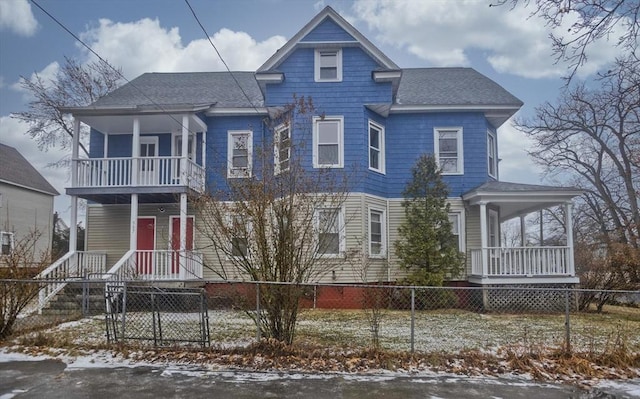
<point x="157" y="266"/>
<point x="521" y="261"/>
<point x="73" y="265"/>
<point x="151" y="171"/>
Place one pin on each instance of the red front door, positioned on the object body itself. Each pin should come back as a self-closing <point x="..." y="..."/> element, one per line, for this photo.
<point x="175" y="240"/>
<point x="146" y="244"/>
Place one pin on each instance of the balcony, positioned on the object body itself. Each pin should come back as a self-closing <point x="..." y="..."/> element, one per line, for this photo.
<point x="503" y="265"/>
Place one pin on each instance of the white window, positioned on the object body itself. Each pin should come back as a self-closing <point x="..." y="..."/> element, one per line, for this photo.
<point x="328" y="151"/>
<point x="492" y="158"/>
<point x="282" y="148"/>
<point x="376" y="147"/>
<point x="328" y="65"/>
<point x="6" y="242"/>
<point x="239" y="236"/>
<point x="177" y="151"/>
<point x="448" y="150"/>
<point x="377" y="232"/>
<point x="457" y="228"/>
<point x="330" y="230"/>
<point x="239" y="153"/>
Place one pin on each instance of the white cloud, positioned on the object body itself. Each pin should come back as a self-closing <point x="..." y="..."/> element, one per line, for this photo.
<point x="16" y="17"/>
<point x="48" y="75"/>
<point x="444" y="33"/>
<point x="146" y="46"/>
<point x="515" y="163"/>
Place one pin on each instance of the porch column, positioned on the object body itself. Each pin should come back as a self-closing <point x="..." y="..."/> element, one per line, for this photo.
<point x="135" y="153"/>
<point x="483" y="237"/>
<point x="185" y="150"/>
<point x="133" y="238"/>
<point x="183" y="233"/>
<point x="568" y="217"/>
<point x="522" y="231"/>
<point x="73" y="228"/>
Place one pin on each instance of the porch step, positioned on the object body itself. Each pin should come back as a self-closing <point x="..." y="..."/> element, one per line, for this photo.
<point x="69" y="301"/>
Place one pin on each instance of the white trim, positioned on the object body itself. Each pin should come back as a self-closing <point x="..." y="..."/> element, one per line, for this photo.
<point x="495" y="154"/>
<point x="237" y="111"/>
<point x="460" y="146"/>
<point x="383" y="231"/>
<point x="381" y="144"/>
<point x="317" y="64"/>
<point x="239" y="172"/>
<point x="316" y="121"/>
<point x="493" y="218"/>
<point x="462" y="239"/>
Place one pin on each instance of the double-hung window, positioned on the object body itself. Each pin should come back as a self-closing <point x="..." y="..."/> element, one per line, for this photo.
<point x="376" y="233"/>
<point x="448" y="150"/>
<point x="282" y="148"/>
<point x="6" y="242"/>
<point x="328" y="151"/>
<point x="455" y="218"/>
<point x="330" y="230"/>
<point x="328" y="65"/>
<point x="376" y="147"/>
<point x="239" y="153"/>
<point x="239" y="236"/>
<point x="492" y="158"/>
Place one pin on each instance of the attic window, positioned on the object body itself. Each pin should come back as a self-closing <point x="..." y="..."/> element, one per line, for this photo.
<point x="328" y="65"/>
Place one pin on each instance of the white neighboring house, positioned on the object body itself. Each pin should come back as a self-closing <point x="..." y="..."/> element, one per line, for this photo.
<point x="26" y="202"/>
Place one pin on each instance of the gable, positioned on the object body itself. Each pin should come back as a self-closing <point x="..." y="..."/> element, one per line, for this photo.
<point x="328" y="31"/>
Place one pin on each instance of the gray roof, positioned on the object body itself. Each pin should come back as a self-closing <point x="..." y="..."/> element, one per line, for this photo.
<point x="508" y="187"/>
<point x="418" y="86"/>
<point x="15" y="169"/>
<point x="451" y="86"/>
<point x="190" y="88"/>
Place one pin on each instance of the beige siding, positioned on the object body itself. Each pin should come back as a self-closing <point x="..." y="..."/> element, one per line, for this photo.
<point x="23" y="211"/>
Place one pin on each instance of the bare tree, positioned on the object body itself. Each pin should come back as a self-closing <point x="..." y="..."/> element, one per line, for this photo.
<point x="595" y="19"/>
<point x="282" y="223"/>
<point x="74" y="85"/>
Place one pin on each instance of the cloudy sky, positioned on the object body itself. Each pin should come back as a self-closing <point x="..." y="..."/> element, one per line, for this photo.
<point x="163" y="36"/>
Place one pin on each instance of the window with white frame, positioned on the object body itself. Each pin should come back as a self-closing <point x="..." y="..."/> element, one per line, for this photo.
<point x="455" y="218"/>
<point x="177" y="150"/>
<point x="376" y="233"/>
<point x="448" y="150"/>
<point x="6" y="242"/>
<point x="330" y="230"/>
<point x="239" y="236"/>
<point x="376" y="147"/>
<point x="328" y="151"/>
<point x="494" y="229"/>
<point x="328" y="65"/>
<point x="492" y="155"/>
<point x="282" y="148"/>
<point x="239" y="153"/>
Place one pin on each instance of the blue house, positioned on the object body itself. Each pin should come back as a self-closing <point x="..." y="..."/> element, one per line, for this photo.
<point x="164" y="138"/>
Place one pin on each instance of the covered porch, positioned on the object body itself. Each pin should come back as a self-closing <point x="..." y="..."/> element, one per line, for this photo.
<point x="492" y="262"/>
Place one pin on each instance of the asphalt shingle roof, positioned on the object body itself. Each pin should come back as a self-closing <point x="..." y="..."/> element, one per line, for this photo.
<point x="451" y="86"/>
<point x="14" y="168"/>
<point x="195" y="88"/>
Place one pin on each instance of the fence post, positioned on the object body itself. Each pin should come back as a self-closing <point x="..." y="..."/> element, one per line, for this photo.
<point x="258" y="332"/>
<point x="413" y="317"/>
<point x="567" y="321"/>
<point x="124" y="308"/>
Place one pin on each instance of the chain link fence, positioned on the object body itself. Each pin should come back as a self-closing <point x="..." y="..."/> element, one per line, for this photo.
<point x="387" y="317"/>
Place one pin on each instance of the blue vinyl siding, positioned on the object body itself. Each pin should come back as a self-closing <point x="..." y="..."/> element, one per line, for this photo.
<point x="328" y="31"/>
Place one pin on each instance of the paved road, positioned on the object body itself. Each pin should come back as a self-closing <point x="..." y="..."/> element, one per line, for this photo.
<point x="53" y="379"/>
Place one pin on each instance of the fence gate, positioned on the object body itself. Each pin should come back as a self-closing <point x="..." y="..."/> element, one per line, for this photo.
<point x="161" y="315"/>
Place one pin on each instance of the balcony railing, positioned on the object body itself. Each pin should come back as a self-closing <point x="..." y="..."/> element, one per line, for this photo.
<point x="141" y="171"/>
<point x="157" y="266"/>
<point x="521" y="261"/>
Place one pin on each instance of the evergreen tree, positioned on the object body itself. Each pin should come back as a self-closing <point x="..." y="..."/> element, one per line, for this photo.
<point x="427" y="245"/>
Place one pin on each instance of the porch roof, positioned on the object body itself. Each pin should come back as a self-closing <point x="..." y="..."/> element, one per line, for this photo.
<point x="516" y="199"/>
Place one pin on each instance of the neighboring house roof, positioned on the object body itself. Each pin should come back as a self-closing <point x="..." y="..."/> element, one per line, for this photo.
<point x="191" y="88"/>
<point x="452" y="87"/>
<point x="17" y="171"/>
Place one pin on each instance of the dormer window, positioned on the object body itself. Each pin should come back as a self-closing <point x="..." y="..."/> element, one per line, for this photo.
<point x="328" y="65"/>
